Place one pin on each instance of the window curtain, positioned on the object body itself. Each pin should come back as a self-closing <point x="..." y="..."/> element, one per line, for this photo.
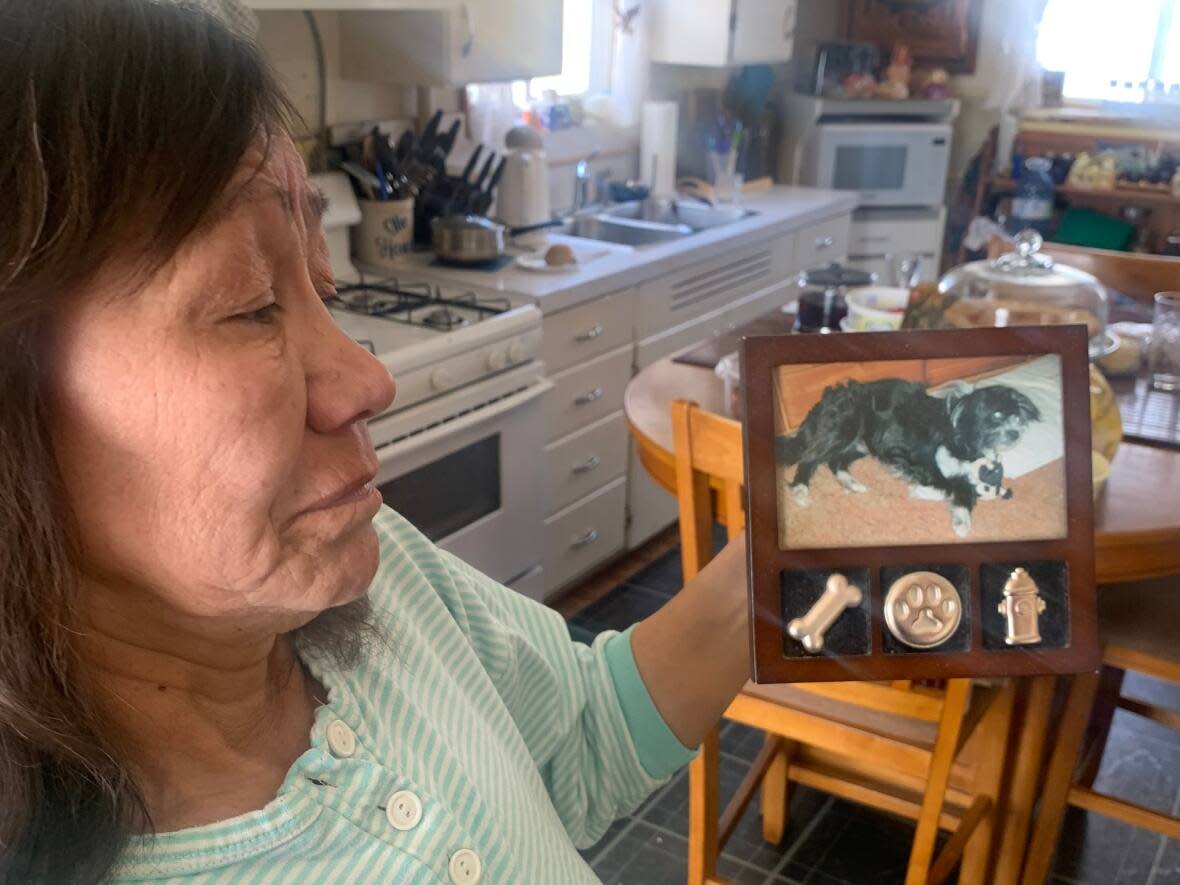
<point x="629" y="73"/>
<point x="1017" y="83"/>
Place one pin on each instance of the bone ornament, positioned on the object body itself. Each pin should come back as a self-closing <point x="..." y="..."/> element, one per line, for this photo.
<point x="838" y="596"/>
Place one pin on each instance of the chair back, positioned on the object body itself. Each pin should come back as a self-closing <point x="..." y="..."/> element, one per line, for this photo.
<point x="710" y="473"/>
<point x="1133" y="274"/>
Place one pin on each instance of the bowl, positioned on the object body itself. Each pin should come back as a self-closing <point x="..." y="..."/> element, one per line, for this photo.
<point x="876" y="308"/>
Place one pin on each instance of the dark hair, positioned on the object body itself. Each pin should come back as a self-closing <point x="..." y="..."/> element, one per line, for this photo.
<point x="123" y="122"/>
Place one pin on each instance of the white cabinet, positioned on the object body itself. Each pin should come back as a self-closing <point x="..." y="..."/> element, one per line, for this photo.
<point x="720" y="33"/>
<point x="471" y="42"/>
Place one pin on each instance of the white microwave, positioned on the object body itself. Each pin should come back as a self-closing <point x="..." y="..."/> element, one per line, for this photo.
<point x="887" y="164"/>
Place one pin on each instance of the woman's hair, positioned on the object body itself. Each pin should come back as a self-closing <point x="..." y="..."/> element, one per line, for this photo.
<point x="122" y="123"/>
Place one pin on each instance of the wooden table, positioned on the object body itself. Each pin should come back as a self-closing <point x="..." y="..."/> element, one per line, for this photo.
<point x="1137" y="535"/>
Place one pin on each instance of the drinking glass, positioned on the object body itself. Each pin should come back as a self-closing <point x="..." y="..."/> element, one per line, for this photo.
<point x="905" y="269"/>
<point x="727" y="181"/>
<point x="1163" y="356"/>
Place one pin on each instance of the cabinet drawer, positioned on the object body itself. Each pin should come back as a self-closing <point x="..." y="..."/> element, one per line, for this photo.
<point x="575" y="335"/>
<point x="822" y="243"/>
<point x="707" y="286"/>
<point x="584" y="460"/>
<point x="585" y="393"/>
<point x="885" y="232"/>
<point x="584" y="534"/>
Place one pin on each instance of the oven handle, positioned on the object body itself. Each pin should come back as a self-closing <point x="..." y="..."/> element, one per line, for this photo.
<point x="408" y="446"/>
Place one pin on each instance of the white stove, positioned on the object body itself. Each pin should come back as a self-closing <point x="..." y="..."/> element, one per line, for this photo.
<point x="435" y="339"/>
<point x="457" y="448"/>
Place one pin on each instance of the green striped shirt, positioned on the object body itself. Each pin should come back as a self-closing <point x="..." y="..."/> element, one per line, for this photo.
<point x="480" y="745"/>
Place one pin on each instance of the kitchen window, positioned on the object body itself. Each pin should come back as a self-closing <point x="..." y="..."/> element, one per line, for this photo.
<point x="585" y="53"/>
<point x="1097" y="42"/>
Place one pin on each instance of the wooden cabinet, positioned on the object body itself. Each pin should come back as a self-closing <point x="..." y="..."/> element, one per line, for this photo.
<point x="721" y="33"/>
<point x="472" y="42"/>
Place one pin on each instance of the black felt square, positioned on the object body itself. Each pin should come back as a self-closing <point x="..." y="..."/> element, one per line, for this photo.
<point x="848" y="635"/>
<point x="1052" y="579"/>
<point x="960" y="577"/>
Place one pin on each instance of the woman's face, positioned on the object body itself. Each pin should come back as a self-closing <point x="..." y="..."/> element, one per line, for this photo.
<point x="210" y="426"/>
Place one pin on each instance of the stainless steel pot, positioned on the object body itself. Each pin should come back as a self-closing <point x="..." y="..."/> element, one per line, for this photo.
<point x="467" y="239"/>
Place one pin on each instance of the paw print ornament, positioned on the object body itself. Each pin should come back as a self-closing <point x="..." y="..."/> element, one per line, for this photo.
<point x="923" y="609"/>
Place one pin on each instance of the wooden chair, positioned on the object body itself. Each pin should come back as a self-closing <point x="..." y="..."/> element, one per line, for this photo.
<point x="933" y="755"/>
<point x="1133" y="274"/>
<point x="1140" y="628"/>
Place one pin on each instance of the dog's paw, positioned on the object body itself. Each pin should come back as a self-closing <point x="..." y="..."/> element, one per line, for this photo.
<point x="801" y="495"/>
<point x="961" y="521"/>
<point x="850" y="482"/>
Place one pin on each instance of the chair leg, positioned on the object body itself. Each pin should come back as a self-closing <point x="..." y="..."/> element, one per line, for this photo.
<point x="776" y="795"/>
<point x="1106" y="701"/>
<point x="1027" y="758"/>
<point x="703" y="802"/>
<point x="941" y="759"/>
<point x="1078" y="704"/>
<point x="994" y="736"/>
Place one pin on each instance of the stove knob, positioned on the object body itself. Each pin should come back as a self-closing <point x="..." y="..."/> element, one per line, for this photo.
<point x="518" y="351"/>
<point x="441" y="379"/>
<point x="497" y="360"/>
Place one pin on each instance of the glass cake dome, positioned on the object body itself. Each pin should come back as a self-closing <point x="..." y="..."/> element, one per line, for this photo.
<point x="1027" y="288"/>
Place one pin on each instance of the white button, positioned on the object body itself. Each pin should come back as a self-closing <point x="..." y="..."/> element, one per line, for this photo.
<point x="465" y="867"/>
<point x="341" y="740"/>
<point x="403" y="810"/>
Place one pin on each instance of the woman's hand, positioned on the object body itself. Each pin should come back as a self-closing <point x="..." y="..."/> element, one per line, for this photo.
<point x="694" y="653"/>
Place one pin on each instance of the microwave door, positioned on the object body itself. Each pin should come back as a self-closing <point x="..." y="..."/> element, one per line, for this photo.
<point x="468" y="485"/>
<point x="886" y="164"/>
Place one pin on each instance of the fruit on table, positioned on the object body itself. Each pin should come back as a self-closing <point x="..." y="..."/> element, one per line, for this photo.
<point x="559" y="255"/>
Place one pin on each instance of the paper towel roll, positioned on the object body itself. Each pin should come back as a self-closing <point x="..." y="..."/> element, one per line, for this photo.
<point x="657" y="146"/>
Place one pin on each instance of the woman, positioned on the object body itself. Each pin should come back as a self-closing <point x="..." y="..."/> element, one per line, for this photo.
<point x="220" y="658"/>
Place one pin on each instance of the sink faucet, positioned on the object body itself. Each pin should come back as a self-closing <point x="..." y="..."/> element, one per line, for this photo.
<point x="582" y="181"/>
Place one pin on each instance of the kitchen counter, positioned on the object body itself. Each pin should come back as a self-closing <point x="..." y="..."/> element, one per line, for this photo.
<point x="778" y="211"/>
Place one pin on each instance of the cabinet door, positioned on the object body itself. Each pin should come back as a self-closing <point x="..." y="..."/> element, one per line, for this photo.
<point x="498" y="40"/>
<point x="763" y="31"/>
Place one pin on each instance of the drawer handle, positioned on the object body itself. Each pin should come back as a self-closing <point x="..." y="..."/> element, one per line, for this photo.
<point x="824" y="242"/>
<point x="586" y="398"/>
<point x="586" y="466"/>
<point x="879" y="238"/>
<point x="585" y="539"/>
<point x="591" y="333"/>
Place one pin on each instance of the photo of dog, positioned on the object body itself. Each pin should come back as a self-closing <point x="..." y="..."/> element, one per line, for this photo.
<point x="926" y="458"/>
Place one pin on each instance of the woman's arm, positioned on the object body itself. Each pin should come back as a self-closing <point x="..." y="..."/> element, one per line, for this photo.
<point x="694" y="653"/>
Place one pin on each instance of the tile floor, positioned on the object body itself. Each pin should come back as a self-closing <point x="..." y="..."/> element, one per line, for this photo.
<point x="832" y="842"/>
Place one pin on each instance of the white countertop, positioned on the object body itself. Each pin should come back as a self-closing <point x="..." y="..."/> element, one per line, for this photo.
<point x="615" y="267"/>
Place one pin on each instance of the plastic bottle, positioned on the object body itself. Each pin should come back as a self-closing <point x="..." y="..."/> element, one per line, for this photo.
<point x="1032" y="206"/>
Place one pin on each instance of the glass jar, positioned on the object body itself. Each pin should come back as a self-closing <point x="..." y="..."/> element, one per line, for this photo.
<point x="821" y="296"/>
<point x="1027" y="288"/>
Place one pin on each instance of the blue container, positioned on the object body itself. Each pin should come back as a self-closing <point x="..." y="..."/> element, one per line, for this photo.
<point x="1032" y="206"/>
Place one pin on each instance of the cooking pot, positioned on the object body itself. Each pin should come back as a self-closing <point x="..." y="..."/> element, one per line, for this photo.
<point x="467" y="239"/>
<point x="473" y="239"/>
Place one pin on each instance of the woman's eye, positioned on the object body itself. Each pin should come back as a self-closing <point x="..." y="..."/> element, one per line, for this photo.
<point x="265" y="314"/>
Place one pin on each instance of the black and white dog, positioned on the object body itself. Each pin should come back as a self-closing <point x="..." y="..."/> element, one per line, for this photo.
<point x="946" y="446"/>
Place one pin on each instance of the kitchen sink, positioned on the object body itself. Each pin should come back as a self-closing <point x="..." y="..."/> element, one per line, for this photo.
<point x="645" y="222"/>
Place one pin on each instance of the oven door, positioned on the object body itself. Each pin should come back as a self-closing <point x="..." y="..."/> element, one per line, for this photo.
<point x="887" y="164"/>
<point x="469" y="481"/>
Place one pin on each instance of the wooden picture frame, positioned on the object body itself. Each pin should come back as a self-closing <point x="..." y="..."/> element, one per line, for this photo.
<point x="1049" y="534"/>
<point x="942" y="33"/>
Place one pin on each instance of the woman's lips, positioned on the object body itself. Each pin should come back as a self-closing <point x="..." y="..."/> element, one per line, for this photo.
<point x="350" y="494"/>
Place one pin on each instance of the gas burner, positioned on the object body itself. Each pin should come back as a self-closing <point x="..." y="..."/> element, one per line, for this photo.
<point x="444" y="319"/>
<point x="418" y="304"/>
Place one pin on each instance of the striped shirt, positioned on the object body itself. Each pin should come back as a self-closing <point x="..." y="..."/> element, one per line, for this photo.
<point x="480" y="744"/>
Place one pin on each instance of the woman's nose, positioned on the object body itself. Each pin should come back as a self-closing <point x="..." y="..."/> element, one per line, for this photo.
<point x="345" y="382"/>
